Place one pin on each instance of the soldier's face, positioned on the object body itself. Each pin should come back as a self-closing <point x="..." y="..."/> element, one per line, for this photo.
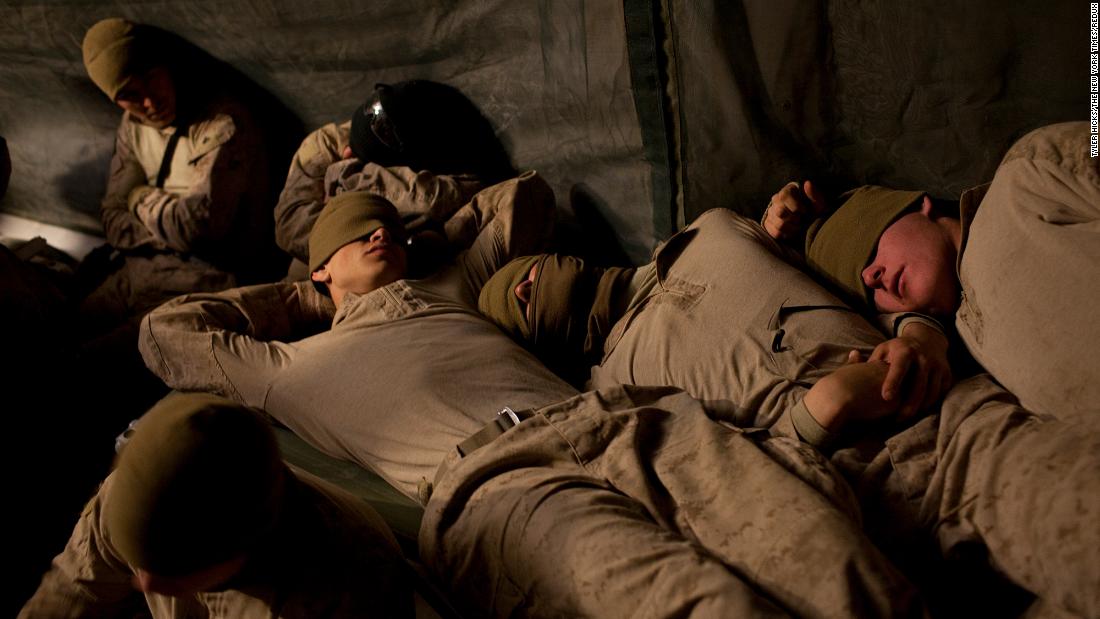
<point x="364" y="265"/>
<point x="150" y="98"/>
<point x="913" y="269"/>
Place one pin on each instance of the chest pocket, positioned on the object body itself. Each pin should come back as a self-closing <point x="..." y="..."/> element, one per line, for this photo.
<point x="807" y="341"/>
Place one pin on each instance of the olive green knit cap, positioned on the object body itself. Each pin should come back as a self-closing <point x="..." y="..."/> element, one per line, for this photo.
<point x="115" y="50"/>
<point x="498" y="301"/>
<point x="347" y="217"/>
<point x="840" y="247"/>
<point x="573" y="306"/>
<point x="200" y="482"/>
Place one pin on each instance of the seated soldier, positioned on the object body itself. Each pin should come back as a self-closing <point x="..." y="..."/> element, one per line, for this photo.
<point x="1022" y="251"/>
<point x="723" y="315"/>
<point x="188" y="201"/>
<point x="187" y="197"/>
<point x="421" y="145"/>
<point x="616" y="502"/>
<point x="202" y="518"/>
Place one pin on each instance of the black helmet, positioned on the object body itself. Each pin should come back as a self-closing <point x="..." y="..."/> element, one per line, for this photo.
<point x="427" y="125"/>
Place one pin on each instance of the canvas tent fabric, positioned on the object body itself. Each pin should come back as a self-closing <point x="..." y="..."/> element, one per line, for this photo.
<point x="641" y="114"/>
<point x="553" y="77"/>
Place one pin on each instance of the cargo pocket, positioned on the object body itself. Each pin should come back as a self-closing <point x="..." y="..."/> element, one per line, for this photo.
<point x="806" y="341"/>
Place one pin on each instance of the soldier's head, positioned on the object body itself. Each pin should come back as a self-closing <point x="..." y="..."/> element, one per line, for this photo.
<point x="357" y="245"/>
<point x="891" y="250"/>
<point x="128" y="62"/>
<point x="426" y="125"/>
<point x="195" y="491"/>
<point x="558" y="307"/>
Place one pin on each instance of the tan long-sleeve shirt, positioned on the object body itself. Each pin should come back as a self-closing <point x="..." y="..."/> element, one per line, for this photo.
<point x="405" y="372"/>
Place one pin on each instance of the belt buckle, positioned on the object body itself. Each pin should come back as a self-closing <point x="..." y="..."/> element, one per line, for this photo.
<point x="509" y="414"/>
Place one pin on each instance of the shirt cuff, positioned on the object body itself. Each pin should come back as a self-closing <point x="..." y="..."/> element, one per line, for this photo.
<point x="908" y="318"/>
<point x="808" y="429"/>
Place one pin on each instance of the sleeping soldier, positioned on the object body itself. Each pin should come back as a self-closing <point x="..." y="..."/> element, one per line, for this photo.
<point x="186" y="201"/>
<point x="1016" y="264"/>
<point x="189" y="194"/>
<point x="619" y="502"/>
<point x="201" y="518"/>
<point x="421" y="145"/>
<point x="723" y="313"/>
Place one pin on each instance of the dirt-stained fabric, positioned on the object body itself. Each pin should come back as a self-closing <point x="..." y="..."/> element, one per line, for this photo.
<point x="331" y="555"/>
<point x="1030" y="273"/>
<point x="632" y="502"/>
<point x="983" y="470"/>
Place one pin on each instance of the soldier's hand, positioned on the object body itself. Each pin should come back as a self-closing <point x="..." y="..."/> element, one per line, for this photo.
<point x="791" y="210"/>
<point x="919" y="368"/>
<point x="851" y="393"/>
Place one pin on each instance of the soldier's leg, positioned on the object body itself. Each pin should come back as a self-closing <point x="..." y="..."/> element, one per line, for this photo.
<point x="545" y="541"/>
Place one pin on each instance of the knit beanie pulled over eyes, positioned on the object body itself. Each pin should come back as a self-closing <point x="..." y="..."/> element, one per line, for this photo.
<point x="200" y="482"/>
<point x="573" y="306"/>
<point x="498" y="301"/>
<point x="841" y="246"/>
<point x="347" y="217"/>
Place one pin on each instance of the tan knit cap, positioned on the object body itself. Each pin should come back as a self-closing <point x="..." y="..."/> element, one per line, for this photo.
<point x="348" y="216"/>
<point x="115" y="50"/>
<point x="200" y="483"/>
<point x="840" y="247"/>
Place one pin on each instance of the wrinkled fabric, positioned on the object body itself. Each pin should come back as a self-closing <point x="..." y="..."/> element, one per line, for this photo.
<point x="985" y="470"/>
<point x="632" y="502"/>
<point x="405" y="372"/>
<point x="1030" y="273"/>
<point x="571" y="307"/>
<point x="210" y="232"/>
<point x="331" y="555"/>
<point x="222" y="217"/>
<point x="410" y="370"/>
<point x="728" y="318"/>
<point x="319" y="171"/>
<point x="975" y="473"/>
<point x="141" y="283"/>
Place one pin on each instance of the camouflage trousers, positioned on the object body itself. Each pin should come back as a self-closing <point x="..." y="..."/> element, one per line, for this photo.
<point x="984" y="472"/>
<point x="632" y="502"/>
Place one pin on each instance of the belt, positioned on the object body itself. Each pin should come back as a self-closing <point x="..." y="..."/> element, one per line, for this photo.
<point x="505" y="420"/>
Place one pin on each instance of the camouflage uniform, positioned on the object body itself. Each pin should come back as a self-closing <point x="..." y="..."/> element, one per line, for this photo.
<point x="208" y="228"/>
<point x="1030" y="272"/>
<point x="411" y="369"/>
<point x="318" y="171"/>
<point x="760" y="333"/>
<point x="318" y="562"/>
